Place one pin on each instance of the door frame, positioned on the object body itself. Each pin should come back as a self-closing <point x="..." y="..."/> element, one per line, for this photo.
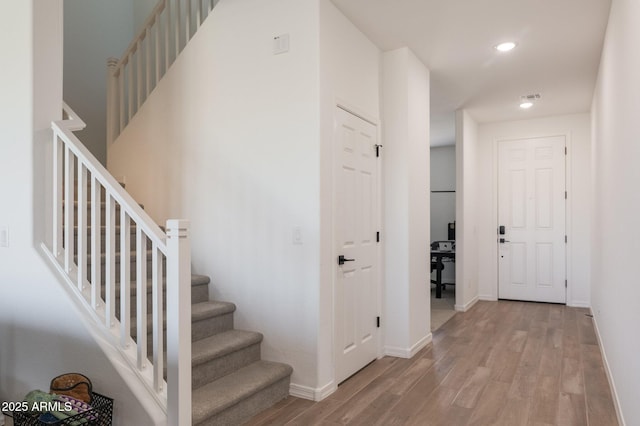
<point x="568" y="211"/>
<point x="351" y="109"/>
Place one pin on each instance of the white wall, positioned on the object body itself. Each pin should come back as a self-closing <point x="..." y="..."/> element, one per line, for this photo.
<point x="40" y="331"/>
<point x="230" y="140"/>
<point x="405" y="88"/>
<point x="349" y="75"/>
<point x="443" y="178"/>
<point x="616" y="204"/>
<point x="576" y="128"/>
<point x="94" y="30"/>
<point x="468" y="201"/>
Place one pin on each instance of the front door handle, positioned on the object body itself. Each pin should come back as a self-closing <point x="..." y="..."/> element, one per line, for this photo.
<point x="502" y="241"/>
<point x="342" y="259"/>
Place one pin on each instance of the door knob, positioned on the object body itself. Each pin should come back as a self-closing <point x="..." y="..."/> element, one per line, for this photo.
<point x="502" y="241"/>
<point x="342" y="259"/>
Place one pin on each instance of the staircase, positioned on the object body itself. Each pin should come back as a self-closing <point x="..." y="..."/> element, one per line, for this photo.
<point x="230" y="382"/>
<point x="133" y="279"/>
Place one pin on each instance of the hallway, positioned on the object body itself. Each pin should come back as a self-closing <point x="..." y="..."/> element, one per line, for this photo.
<point x="507" y="363"/>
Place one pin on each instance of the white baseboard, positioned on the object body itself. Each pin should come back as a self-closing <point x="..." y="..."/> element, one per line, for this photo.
<point x="607" y="369"/>
<point x="466" y="306"/>
<point x="313" y="394"/>
<point x="487" y="298"/>
<point x="399" y="352"/>
<point x="579" y="304"/>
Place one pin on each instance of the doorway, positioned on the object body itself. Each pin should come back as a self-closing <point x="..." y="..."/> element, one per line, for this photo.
<point x="356" y="225"/>
<point x="531" y="219"/>
<point x="442" y="231"/>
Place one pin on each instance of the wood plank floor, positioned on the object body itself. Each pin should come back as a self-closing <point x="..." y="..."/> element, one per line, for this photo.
<point x="500" y="363"/>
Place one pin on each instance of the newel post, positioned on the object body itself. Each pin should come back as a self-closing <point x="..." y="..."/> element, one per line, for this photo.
<point x="178" y="323"/>
<point x="112" y="99"/>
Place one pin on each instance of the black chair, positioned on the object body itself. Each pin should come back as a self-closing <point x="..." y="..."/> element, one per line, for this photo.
<point x="446" y="245"/>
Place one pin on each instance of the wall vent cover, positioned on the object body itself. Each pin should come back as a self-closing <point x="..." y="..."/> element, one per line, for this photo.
<point x="532" y="97"/>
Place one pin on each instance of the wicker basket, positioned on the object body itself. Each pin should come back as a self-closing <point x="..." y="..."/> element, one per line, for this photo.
<point x="100" y="414"/>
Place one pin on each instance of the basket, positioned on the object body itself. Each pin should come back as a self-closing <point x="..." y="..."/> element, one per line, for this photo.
<point x="100" y="414"/>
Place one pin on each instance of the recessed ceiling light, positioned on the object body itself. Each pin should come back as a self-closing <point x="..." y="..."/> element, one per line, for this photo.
<point x="505" y="47"/>
<point x="526" y="105"/>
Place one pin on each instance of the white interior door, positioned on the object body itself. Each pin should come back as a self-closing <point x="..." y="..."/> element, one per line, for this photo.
<point x="356" y="224"/>
<point x="531" y="207"/>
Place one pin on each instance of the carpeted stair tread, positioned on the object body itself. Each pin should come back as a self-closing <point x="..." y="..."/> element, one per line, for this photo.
<point x="199" y="311"/>
<point x="215" y="397"/>
<point x="221" y="344"/>
<point x="196" y="280"/>
<point x="209" y="309"/>
<point x="199" y="279"/>
<point x="132" y="256"/>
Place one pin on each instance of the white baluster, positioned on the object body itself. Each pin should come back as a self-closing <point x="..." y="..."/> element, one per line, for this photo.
<point x="147" y="66"/>
<point x="82" y="225"/>
<point x="131" y="86"/>
<point x="158" y="52"/>
<point x="141" y="297"/>
<point x="139" y="84"/>
<point x="178" y="322"/>
<point x="158" y="332"/>
<point x="110" y="261"/>
<point x="68" y="209"/>
<point x="57" y="195"/>
<point x="125" y="278"/>
<point x="167" y="39"/>
<point x="112" y="100"/>
<point x="178" y="27"/>
<point x="96" y="243"/>
<point x="187" y="27"/>
<point x="198" y="14"/>
<point x="121" y="91"/>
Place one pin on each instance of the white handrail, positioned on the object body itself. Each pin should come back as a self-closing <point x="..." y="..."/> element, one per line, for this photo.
<point x="131" y="79"/>
<point x="82" y="188"/>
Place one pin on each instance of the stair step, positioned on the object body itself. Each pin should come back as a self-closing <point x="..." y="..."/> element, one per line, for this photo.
<point x="199" y="293"/>
<point x="238" y="396"/>
<point x="196" y="281"/>
<point x="103" y="239"/>
<point x="207" y="319"/>
<point x="210" y="318"/>
<point x="223" y="353"/>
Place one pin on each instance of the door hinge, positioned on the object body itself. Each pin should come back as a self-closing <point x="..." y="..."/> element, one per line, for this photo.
<point x="565" y="283"/>
<point x="378" y="237"/>
<point x="565" y="150"/>
<point x="565" y="195"/>
<point x="378" y="150"/>
<point x="565" y="239"/>
<point x="378" y="322"/>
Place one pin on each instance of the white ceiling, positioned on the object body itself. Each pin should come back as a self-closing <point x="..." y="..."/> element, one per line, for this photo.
<point x="558" y="52"/>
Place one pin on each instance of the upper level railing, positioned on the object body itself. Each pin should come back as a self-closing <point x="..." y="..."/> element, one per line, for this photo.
<point x="131" y="78"/>
<point x="124" y="269"/>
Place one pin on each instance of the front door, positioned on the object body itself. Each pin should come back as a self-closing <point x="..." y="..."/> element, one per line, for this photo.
<point x="531" y="208"/>
<point x="356" y="191"/>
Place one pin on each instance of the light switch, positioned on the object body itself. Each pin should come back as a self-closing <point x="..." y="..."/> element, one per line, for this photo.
<point x="281" y="44"/>
<point x="4" y="236"/>
<point x="297" y="235"/>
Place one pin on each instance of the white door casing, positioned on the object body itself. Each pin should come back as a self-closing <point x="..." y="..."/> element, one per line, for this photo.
<point x="355" y="222"/>
<point x="531" y="206"/>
